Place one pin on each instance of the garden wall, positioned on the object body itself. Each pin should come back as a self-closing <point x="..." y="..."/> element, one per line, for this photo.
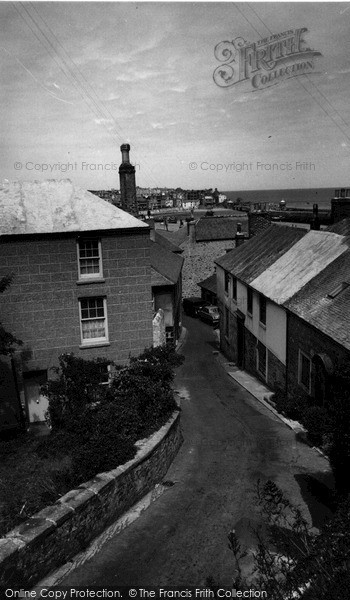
<point x="54" y="535"/>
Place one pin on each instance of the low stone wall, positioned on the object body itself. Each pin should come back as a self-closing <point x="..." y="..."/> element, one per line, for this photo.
<point x="54" y="535"/>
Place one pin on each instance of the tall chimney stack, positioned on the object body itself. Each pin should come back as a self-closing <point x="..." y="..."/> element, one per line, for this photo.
<point x="127" y="182"/>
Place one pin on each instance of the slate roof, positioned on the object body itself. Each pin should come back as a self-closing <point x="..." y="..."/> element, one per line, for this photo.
<point x="256" y="255"/>
<point x="176" y="237"/>
<point x="56" y="206"/>
<point x="209" y="283"/>
<point x="166" y="266"/>
<point x="299" y="265"/>
<point x="329" y="315"/>
<point x="210" y="229"/>
<point x="342" y="227"/>
<point x="163" y="241"/>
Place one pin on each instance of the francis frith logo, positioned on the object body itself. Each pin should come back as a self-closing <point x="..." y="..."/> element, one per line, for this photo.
<point x="266" y="62"/>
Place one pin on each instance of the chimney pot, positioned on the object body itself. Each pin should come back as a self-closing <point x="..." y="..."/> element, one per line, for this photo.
<point x="125" y="149"/>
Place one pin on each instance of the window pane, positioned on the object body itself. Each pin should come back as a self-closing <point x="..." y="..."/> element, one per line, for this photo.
<point x="262" y="316"/>
<point x="93" y="329"/>
<point x="250" y="301"/>
<point x="89" y="258"/>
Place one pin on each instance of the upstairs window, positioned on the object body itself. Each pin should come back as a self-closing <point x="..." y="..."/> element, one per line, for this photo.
<point x="89" y="259"/>
<point x="249" y="301"/>
<point x="262" y="309"/>
<point x="234" y="288"/>
<point x="227" y="282"/>
<point x="93" y="320"/>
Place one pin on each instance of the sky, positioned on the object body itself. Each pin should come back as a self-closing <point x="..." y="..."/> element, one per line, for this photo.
<point x="81" y="78"/>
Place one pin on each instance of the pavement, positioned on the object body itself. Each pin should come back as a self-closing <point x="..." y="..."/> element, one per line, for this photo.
<point x="231" y="441"/>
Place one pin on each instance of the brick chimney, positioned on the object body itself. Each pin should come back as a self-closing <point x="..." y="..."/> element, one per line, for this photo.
<point x="341" y="205"/>
<point x="127" y="182"/>
<point x="240" y="237"/>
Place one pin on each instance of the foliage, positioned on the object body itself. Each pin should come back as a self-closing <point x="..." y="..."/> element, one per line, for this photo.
<point x="317" y="421"/>
<point x="7" y="340"/>
<point x="339" y="447"/>
<point x="102" y="422"/>
<point x="28" y="481"/>
<point x="292" y="407"/>
<point x="74" y="390"/>
<point x="94" y="428"/>
<point x="292" y="561"/>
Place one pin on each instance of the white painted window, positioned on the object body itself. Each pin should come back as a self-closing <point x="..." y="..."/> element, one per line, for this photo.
<point x="90" y="259"/>
<point x="93" y="320"/>
<point x="304" y="371"/>
<point x="250" y="301"/>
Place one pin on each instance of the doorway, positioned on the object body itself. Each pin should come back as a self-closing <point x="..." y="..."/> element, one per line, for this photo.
<point x="37" y="404"/>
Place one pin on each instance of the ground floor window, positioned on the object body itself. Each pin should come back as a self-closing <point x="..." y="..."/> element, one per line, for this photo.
<point x="304" y="371"/>
<point x="227" y="322"/>
<point x="93" y="320"/>
<point x="261" y="359"/>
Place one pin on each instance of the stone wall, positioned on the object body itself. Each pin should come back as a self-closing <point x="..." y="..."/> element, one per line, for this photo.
<point x="311" y="341"/>
<point x="54" y="535"/>
<point x="199" y="263"/>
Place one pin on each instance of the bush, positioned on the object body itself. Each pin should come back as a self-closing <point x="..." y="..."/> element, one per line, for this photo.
<point x="99" y="424"/>
<point x="75" y="389"/>
<point x="291" y="407"/>
<point x="317" y="421"/>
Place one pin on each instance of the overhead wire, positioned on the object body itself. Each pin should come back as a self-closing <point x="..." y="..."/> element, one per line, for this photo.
<point x="296" y="79"/>
<point x="83" y="87"/>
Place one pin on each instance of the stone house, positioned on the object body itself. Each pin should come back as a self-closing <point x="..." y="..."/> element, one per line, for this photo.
<point x="202" y="242"/>
<point x="319" y="333"/>
<point x="257" y="284"/>
<point x="82" y="281"/>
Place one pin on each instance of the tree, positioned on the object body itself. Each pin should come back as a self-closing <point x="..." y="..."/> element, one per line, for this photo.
<point x="7" y="340"/>
<point x="292" y="561"/>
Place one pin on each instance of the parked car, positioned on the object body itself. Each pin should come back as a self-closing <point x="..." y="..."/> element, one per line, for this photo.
<point x="192" y="305"/>
<point x="209" y="314"/>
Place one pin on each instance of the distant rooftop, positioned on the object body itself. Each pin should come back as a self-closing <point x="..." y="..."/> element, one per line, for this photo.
<point x="210" y="229"/>
<point x="209" y="284"/>
<point x="166" y="266"/>
<point x="54" y="206"/>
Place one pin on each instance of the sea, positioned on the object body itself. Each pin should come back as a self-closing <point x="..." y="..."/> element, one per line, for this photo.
<point x="294" y="198"/>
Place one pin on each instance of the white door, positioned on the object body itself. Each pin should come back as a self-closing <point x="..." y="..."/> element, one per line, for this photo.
<point x="37" y="403"/>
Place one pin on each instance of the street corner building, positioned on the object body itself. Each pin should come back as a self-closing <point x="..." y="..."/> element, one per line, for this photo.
<point x="284" y="297"/>
<point x="81" y="283"/>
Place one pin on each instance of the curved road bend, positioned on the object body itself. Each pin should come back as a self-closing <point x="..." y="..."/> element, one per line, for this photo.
<point x="230" y="441"/>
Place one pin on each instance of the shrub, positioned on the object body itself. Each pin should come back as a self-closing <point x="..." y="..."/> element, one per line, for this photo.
<point x="291" y="407"/>
<point x="76" y="387"/>
<point x="99" y="424"/>
<point x="317" y="421"/>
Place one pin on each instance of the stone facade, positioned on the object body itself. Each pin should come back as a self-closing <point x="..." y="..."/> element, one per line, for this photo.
<point x="41" y="307"/>
<point x="54" y="535"/>
<point x="199" y="263"/>
<point x="312" y="342"/>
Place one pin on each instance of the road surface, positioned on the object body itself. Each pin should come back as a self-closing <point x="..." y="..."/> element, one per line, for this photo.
<point x="231" y="441"/>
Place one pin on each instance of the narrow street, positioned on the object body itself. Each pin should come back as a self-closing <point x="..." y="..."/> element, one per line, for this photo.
<point x="230" y="442"/>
